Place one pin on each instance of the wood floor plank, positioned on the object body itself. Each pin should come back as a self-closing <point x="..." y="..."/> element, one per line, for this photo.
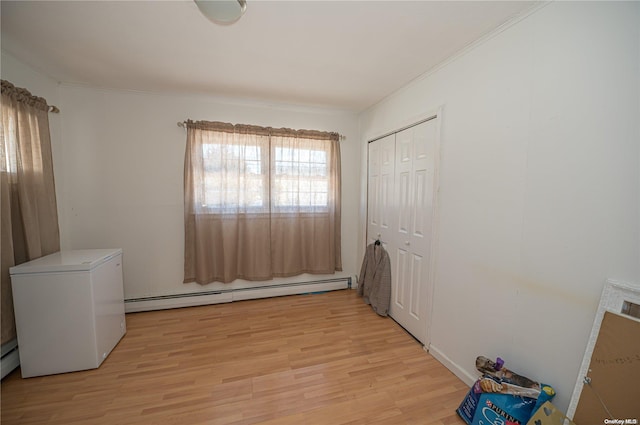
<point x="306" y="359"/>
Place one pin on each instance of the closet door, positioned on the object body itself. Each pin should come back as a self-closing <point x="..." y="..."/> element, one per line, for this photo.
<point x="410" y="240"/>
<point x="380" y="208"/>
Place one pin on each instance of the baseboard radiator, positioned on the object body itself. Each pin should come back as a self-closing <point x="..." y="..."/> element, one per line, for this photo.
<point x="164" y="302"/>
<point x="10" y="357"/>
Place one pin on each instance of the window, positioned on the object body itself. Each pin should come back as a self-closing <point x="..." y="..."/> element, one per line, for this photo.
<point x="260" y="202"/>
<point x="264" y="175"/>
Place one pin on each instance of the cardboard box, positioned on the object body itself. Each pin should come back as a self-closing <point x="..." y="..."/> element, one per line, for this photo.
<point x="548" y="414"/>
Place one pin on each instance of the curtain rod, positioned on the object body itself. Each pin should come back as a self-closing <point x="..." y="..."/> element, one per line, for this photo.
<point x="21" y="94"/>
<point x="183" y="124"/>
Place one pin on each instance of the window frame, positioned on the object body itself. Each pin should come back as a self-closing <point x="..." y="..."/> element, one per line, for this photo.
<point x="268" y="164"/>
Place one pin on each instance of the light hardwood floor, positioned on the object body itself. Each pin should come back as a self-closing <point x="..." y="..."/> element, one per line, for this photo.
<point x="305" y="359"/>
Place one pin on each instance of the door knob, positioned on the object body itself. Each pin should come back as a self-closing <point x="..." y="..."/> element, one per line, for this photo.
<point x="407" y="243"/>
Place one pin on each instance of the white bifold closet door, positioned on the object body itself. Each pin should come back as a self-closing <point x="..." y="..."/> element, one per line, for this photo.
<point x="401" y="193"/>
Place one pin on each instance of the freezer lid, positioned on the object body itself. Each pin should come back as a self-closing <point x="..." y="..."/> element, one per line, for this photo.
<point x="67" y="260"/>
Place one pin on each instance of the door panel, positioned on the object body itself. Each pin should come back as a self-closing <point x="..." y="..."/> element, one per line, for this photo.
<point x="417" y="264"/>
<point x="387" y="167"/>
<point x="420" y="203"/>
<point x="386" y="206"/>
<point x="401" y="276"/>
<point x="404" y="193"/>
<point x="373" y="187"/>
<point x="374" y="194"/>
<point x="403" y="147"/>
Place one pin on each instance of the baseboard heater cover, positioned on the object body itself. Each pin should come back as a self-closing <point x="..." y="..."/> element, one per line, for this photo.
<point x="164" y="302"/>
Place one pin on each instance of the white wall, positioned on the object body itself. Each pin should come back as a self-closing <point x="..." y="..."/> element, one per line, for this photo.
<point x="122" y="174"/>
<point x="539" y="185"/>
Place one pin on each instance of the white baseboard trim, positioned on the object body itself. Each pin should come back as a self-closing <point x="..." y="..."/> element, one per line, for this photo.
<point x="9" y="362"/>
<point x="457" y="370"/>
<point x="217" y="297"/>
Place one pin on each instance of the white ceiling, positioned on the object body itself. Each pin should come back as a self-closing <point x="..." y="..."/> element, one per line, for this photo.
<point x="339" y="54"/>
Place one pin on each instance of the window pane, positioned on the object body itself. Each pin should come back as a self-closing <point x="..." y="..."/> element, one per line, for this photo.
<point x="301" y="176"/>
<point x="234" y="177"/>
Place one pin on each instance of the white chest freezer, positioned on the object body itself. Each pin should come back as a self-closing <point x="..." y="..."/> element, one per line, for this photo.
<point x="69" y="309"/>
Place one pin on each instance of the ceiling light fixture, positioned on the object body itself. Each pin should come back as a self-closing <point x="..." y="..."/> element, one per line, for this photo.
<point x="222" y="11"/>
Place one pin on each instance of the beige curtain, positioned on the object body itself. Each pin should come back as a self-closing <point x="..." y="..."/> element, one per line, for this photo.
<point x="29" y="213"/>
<point x="260" y="202"/>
